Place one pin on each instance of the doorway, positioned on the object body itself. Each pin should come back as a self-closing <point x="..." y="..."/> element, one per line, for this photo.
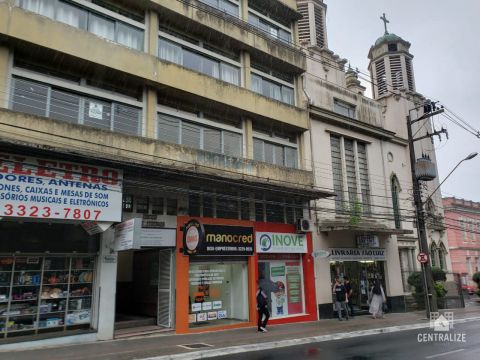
<point x="362" y="275"/>
<point x="144" y="283"/>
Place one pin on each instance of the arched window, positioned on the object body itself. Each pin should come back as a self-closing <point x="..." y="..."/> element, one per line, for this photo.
<point x="430" y="207"/>
<point x="442" y="255"/>
<point x="395" y="186"/>
<point x="433" y="254"/>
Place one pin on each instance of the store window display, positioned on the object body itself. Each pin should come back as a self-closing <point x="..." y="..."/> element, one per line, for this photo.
<point x="218" y="293"/>
<point x="281" y="277"/>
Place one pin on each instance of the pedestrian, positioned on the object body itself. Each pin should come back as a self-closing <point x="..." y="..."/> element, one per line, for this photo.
<point x="262" y="307"/>
<point x="376" y="299"/>
<point x="349" y="290"/>
<point x="340" y="298"/>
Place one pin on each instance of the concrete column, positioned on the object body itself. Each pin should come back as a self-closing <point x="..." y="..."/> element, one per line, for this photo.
<point x="151" y="113"/>
<point x="393" y="276"/>
<point x="244" y="10"/>
<point x="248" y="133"/>
<point x="246" y="76"/>
<point x="301" y="151"/>
<point x="106" y="287"/>
<point x="5" y="61"/>
<point x="152" y="33"/>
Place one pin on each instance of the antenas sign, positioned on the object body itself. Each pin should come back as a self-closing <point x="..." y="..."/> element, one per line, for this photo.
<point x="54" y="189"/>
<point x="207" y="239"/>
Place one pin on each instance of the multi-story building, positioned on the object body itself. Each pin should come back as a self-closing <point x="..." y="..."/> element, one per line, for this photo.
<point x="360" y="149"/>
<point x="182" y="121"/>
<point x="462" y="218"/>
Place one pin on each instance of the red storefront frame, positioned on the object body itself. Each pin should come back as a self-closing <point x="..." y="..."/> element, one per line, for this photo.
<point x="308" y="273"/>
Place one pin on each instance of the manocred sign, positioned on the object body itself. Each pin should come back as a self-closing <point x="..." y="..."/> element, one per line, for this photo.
<point x="209" y="239"/>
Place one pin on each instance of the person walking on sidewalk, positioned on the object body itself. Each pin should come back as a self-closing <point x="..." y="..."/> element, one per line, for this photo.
<point x="340" y="298"/>
<point x="262" y="307"/>
<point x="349" y="290"/>
<point x="376" y="298"/>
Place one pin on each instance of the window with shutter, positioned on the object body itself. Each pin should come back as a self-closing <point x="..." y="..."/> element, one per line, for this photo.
<point x="396" y="207"/>
<point x="355" y="157"/>
<point x="319" y="26"/>
<point x="168" y="129"/>
<point x="396" y="72"/>
<point x="363" y="174"/>
<point x="408" y="65"/>
<point x="381" y="79"/>
<point x="303" y="23"/>
<point x="337" y="171"/>
<point x="351" y="173"/>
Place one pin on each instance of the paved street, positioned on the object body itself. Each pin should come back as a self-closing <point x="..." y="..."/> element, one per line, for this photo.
<point x="400" y="345"/>
<point x="171" y="344"/>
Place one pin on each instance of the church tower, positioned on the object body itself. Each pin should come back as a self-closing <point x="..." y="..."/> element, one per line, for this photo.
<point x="312" y="27"/>
<point x="390" y="64"/>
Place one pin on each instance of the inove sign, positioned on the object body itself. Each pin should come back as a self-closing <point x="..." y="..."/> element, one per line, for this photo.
<point x="268" y="242"/>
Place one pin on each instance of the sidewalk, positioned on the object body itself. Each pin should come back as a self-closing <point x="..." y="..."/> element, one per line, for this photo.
<point x="169" y="344"/>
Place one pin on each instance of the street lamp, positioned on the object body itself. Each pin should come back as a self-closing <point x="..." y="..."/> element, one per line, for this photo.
<point x="469" y="157"/>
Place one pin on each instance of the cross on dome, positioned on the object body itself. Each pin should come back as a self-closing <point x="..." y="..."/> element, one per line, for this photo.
<point x="385" y="22"/>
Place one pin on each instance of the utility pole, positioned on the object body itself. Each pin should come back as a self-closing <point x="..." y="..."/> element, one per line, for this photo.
<point x="430" y="293"/>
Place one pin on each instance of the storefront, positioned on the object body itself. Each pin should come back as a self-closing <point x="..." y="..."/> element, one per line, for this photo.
<point x="215" y="274"/>
<point x="285" y="272"/>
<point x="49" y="262"/>
<point x="362" y="266"/>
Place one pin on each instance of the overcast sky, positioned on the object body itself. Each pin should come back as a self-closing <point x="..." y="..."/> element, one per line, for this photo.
<point x="445" y="38"/>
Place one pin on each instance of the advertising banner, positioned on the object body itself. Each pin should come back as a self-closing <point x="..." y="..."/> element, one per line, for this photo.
<point x="206" y="239"/>
<point x="34" y="187"/>
<point x="268" y="242"/>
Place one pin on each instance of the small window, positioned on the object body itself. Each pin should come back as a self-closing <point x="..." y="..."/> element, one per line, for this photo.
<point x="142" y="205"/>
<point x="172" y="207"/>
<point x="392" y="47"/>
<point x="127" y="203"/>
<point x="157" y="206"/>
<point x="343" y="108"/>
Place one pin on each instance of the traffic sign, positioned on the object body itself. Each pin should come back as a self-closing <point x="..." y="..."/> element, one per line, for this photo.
<point x="422" y="257"/>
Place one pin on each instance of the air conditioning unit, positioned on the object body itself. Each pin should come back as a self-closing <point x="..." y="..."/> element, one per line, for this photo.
<point x="304" y="225"/>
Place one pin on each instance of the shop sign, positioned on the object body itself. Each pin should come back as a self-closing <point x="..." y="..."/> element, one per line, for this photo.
<point x="268" y="242"/>
<point x="125" y="238"/>
<point x="206" y="239"/>
<point x="32" y="187"/>
<point x="368" y="241"/>
<point x="356" y="254"/>
<point x="130" y="235"/>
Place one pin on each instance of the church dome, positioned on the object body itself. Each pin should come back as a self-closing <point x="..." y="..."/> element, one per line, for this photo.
<point x="388" y="38"/>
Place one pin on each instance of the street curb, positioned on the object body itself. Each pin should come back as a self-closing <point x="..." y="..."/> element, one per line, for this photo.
<point x="203" y="354"/>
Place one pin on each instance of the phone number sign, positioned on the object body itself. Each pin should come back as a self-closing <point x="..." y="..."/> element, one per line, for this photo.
<point x="32" y="187"/>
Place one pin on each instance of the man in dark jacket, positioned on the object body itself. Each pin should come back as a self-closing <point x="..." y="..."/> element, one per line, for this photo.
<point x="262" y="307"/>
<point x="340" y="298"/>
<point x="349" y="290"/>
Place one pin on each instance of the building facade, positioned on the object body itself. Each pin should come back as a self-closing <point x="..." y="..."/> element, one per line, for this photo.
<point x="360" y="149"/>
<point x="462" y="218"/>
<point x="122" y="124"/>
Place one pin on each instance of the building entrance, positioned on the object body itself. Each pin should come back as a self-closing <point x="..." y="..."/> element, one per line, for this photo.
<point x="362" y="275"/>
<point x="144" y="280"/>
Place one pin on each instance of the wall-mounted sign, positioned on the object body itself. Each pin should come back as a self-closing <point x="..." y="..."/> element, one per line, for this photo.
<point x="368" y="241"/>
<point x="268" y="242"/>
<point x="94" y="227"/>
<point x="33" y="187"/>
<point x="130" y="235"/>
<point x="206" y="239"/>
<point x="356" y="254"/>
<point x="125" y="238"/>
